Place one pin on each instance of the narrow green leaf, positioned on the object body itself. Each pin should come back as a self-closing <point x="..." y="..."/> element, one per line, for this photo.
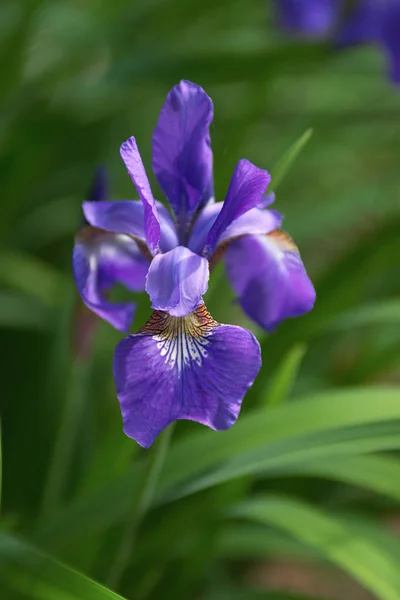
<point x="326" y="411"/>
<point x="26" y="572"/>
<point x="379" y="474"/>
<point x="283" y="165"/>
<point x="298" y="456"/>
<point x="285" y="375"/>
<point x="20" y="311"/>
<point x="32" y="276"/>
<point x="247" y="541"/>
<point x="155" y="465"/>
<point x="276" y="437"/>
<point x="34" y="232"/>
<point x="335" y="540"/>
<point x="76" y="392"/>
<point x="380" y="313"/>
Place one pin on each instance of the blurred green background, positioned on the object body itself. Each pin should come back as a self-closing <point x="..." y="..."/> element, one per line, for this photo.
<point x="301" y="499"/>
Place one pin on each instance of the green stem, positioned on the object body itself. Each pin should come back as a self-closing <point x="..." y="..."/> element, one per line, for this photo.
<point x="59" y="467"/>
<point x="124" y="551"/>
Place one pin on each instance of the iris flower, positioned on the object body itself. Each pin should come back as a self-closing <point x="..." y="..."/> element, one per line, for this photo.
<point x="369" y="22"/>
<point x="183" y="364"/>
<point x="376" y="22"/>
<point x="307" y="18"/>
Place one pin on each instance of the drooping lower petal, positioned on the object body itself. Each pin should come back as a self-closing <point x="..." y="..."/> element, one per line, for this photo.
<point x="246" y="190"/>
<point x="182" y="156"/>
<point x="269" y="278"/>
<point x="133" y="162"/>
<point x="183" y="368"/>
<point x="177" y="280"/>
<point x="102" y="259"/>
<point x="309" y="18"/>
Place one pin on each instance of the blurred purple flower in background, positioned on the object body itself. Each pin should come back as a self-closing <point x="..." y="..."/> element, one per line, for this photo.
<point x="377" y="22"/>
<point x="182" y="364"/>
<point x="307" y="18"/>
<point x="366" y="22"/>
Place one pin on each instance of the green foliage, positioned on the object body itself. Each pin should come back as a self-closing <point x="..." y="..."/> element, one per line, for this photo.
<point x="311" y="470"/>
<point x="27" y="573"/>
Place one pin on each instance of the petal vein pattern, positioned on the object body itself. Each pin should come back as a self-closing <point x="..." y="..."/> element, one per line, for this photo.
<point x="183" y="368"/>
<point x="182" y="340"/>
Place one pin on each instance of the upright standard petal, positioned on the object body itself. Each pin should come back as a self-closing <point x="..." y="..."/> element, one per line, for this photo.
<point x="131" y="157"/>
<point x="101" y="259"/>
<point x="182" y="156"/>
<point x="246" y="190"/>
<point x="188" y="368"/>
<point x="308" y="18"/>
<point x="177" y="280"/>
<point x="269" y="278"/>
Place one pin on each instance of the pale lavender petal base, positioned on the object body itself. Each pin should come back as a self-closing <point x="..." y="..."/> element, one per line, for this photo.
<point x="177" y="280"/>
<point x="202" y="378"/>
<point x="269" y="278"/>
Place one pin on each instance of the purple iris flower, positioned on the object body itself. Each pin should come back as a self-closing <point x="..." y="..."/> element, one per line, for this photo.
<point x="307" y="18"/>
<point x="376" y="21"/>
<point x="371" y="21"/>
<point x="182" y="364"/>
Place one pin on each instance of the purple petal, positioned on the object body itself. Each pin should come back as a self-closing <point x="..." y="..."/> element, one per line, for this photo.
<point x="188" y="368"/>
<point x="177" y="280"/>
<point x="99" y="189"/>
<point x="309" y="18"/>
<point x="127" y="216"/>
<point x="390" y="37"/>
<point x="182" y="156"/>
<point x="375" y="22"/>
<point x="362" y="26"/>
<point x="102" y="259"/>
<point x="269" y="278"/>
<point x="267" y="200"/>
<point x="202" y="226"/>
<point x="131" y="157"/>
<point x="246" y="190"/>
<point x="255" y="221"/>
